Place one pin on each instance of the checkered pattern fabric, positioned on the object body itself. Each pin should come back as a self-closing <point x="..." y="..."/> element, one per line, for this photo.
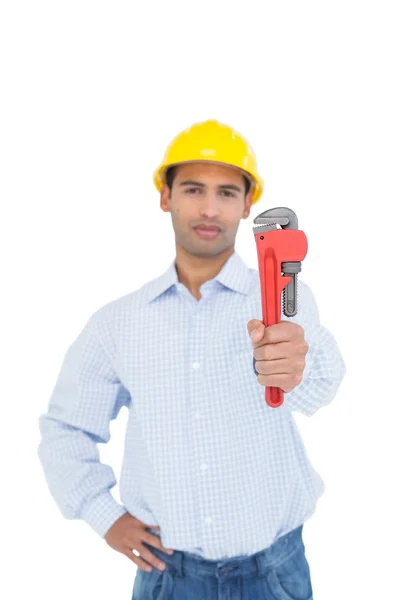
<point x="205" y="458"/>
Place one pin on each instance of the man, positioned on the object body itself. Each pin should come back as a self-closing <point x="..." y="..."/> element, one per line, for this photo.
<point x="215" y="484"/>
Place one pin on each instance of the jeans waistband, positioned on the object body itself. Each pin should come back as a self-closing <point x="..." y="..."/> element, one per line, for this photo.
<point x="184" y="563"/>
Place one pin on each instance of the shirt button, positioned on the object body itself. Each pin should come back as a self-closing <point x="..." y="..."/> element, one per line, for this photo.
<point x="208" y="520"/>
<point x="203" y="466"/>
<point x="196" y="365"/>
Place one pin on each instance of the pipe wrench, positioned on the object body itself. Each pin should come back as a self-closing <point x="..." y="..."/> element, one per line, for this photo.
<point x="280" y="249"/>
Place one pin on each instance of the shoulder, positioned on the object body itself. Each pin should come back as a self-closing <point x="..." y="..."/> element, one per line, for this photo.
<point x="115" y="315"/>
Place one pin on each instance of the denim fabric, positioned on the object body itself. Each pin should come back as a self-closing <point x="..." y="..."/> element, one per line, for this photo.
<point x="280" y="572"/>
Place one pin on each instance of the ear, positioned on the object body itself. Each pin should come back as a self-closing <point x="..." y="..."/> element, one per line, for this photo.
<point x="165" y="199"/>
<point x="247" y="205"/>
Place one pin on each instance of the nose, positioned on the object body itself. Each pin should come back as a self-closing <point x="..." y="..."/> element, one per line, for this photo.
<point x="209" y="206"/>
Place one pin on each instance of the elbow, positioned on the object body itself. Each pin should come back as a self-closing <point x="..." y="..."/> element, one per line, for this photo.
<point x="329" y="388"/>
<point x="313" y="394"/>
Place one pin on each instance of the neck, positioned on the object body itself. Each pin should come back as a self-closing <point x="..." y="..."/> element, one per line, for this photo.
<point x="193" y="270"/>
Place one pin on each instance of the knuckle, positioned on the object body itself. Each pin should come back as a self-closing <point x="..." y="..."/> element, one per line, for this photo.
<point x="259" y="353"/>
<point x="259" y="367"/>
<point x="153" y="560"/>
<point x="298" y="377"/>
<point x="301" y="363"/>
<point x="262" y="380"/>
<point x="131" y="556"/>
<point x="265" y="353"/>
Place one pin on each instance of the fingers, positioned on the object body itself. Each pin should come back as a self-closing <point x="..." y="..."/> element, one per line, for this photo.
<point x="287" y="382"/>
<point x="154" y="540"/>
<point x="146" y="559"/>
<point x="256" y="330"/>
<point x="142" y="564"/>
<point x="285" y="331"/>
<point x="273" y="351"/>
<point x="274" y="367"/>
<point x="150" y="558"/>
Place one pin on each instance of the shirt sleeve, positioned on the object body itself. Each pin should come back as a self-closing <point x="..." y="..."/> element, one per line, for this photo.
<point x="86" y="397"/>
<point x="325" y="367"/>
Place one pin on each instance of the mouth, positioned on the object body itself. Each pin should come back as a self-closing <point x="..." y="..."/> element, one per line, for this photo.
<point x="207" y="232"/>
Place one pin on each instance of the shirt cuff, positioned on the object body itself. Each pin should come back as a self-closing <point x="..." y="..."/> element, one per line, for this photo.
<point x="309" y="365"/>
<point x="102" y="512"/>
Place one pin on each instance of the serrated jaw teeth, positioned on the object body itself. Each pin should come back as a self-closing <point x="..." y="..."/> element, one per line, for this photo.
<point x="259" y="228"/>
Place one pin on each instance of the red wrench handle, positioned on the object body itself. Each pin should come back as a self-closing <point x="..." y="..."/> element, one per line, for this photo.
<point x="273" y="248"/>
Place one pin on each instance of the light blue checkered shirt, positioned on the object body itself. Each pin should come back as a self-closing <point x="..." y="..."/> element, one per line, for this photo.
<point x="205" y="458"/>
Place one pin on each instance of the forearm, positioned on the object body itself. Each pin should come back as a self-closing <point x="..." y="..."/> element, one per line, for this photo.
<point x="322" y="376"/>
<point x="323" y="373"/>
<point x="79" y="483"/>
<point x="87" y="396"/>
<point x="325" y="367"/>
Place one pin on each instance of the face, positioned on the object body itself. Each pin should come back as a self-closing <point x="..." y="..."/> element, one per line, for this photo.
<point x="210" y="195"/>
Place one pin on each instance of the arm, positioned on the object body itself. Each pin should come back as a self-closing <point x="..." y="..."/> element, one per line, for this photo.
<point x="86" y="397"/>
<point x="324" y="368"/>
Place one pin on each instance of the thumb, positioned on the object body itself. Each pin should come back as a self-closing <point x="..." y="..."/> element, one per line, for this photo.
<point x="256" y="329"/>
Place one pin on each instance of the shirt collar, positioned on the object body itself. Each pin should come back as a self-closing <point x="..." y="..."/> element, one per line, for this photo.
<point x="234" y="275"/>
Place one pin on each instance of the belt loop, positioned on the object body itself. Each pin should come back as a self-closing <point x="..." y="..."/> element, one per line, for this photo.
<point x="260" y="562"/>
<point x="177" y="563"/>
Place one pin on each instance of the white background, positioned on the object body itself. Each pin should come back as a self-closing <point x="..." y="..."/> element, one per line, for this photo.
<point x="92" y="93"/>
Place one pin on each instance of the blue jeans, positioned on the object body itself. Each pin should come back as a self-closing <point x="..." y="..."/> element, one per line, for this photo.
<point x="280" y="572"/>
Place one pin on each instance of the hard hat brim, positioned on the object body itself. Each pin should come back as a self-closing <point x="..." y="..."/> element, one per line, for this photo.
<point x="255" y="186"/>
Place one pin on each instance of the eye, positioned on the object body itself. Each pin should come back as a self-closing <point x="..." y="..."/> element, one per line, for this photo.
<point x="226" y="192"/>
<point x="190" y="190"/>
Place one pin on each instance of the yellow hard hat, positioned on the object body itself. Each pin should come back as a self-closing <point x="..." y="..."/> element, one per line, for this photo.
<point x="211" y="141"/>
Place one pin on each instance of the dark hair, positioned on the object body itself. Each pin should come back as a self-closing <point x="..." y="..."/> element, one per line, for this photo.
<point x="171" y="173"/>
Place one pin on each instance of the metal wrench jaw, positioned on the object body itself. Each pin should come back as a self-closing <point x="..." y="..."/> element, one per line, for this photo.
<point x="286" y="218"/>
<point x="281" y="215"/>
<point x="278" y="251"/>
